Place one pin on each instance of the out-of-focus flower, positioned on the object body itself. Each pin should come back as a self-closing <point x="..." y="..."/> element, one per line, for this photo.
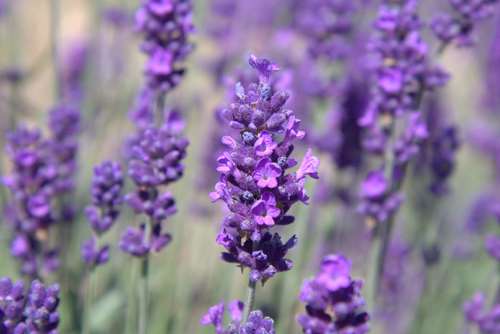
<point x="333" y="300"/>
<point x="377" y="201"/>
<point x="117" y="16"/>
<point x="459" y="26"/>
<point x="30" y="212"/>
<point x="487" y="322"/>
<point x="492" y="244"/>
<point x="402" y="70"/>
<point x="254" y="183"/>
<point x="166" y="26"/>
<point x="64" y="124"/>
<point x="106" y="194"/>
<point x="75" y="60"/>
<point x="327" y="25"/>
<point x="155" y="157"/>
<point x="256" y="323"/>
<point x="106" y="191"/>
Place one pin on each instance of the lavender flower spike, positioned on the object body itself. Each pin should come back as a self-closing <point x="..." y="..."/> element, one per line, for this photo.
<point x="255" y="184"/>
<point x="333" y="300"/>
<point x="106" y="190"/>
<point x="156" y="156"/>
<point x="30" y="214"/>
<point x="459" y="26"/>
<point x="255" y="324"/>
<point x="166" y="26"/>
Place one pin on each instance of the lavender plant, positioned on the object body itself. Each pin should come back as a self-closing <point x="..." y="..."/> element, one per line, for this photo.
<point x="254" y="183"/>
<point x="155" y="152"/>
<point x="395" y="126"/>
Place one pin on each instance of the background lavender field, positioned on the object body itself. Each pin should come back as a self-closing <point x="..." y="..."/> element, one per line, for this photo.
<point x="436" y="260"/>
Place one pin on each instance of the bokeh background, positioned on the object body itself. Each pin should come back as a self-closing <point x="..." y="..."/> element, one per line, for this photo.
<point x="189" y="276"/>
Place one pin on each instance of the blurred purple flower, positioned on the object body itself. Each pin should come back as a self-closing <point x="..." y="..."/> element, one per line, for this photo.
<point x="459" y="26"/>
<point x="75" y="60"/>
<point x="333" y="300"/>
<point x="377" y="201"/>
<point x="33" y="185"/>
<point x="487" y="322"/>
<point x="255" y="324"/>
<point x="166" y="27"/>
<point x="155" y="157"/>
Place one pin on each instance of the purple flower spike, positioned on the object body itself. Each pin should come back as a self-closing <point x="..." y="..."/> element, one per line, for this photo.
<point x="166" y="26"/>
<point x="255" y="182"/>
<point x="333" y="300"/>
<point x="256" y="323"/>
<point x="107" y="198"/>
<point x="459" y="26"/>
<point x="38" y="177"/>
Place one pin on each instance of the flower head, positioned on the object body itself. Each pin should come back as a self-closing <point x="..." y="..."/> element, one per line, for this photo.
<point x="333" y="300"/>
<point x="255" y="182"/>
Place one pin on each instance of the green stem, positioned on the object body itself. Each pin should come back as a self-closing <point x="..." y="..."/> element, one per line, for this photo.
<point x="54" y="37"/>
<point x="88" y="302"/>
<point x="144" y="286"/>
<point x="252" y="286"/>
<point x="144" y="296"/>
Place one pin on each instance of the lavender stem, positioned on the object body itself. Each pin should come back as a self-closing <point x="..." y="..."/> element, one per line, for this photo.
<point x="143" y="287"/>
<point x="54" y="35"/>
<point x="252" y="286"/>
<point x="143" y="296"/>
<point x="88" y="303"/>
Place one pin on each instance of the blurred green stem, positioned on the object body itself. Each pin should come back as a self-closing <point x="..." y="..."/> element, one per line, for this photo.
<point x="252" y="286"/>
<point x="88" y="302"/>
<point x="144" y="296"/>
<point x="144" y="286"/>
<point x="379" y="250"/>
<point x="54" y="38"/>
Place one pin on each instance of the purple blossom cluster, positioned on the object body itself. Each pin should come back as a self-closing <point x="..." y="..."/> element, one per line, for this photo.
<point x="378" y="203"/>
<point x="155" y="161"/>
<point x="402" y="71"/>
<point x="32" y="311"/>
<point x="333" y="300"/>
<point x="64" y="125"/>
<point x="403" y="76"/>
<point x="327" y="26"/>
<point x="487" y="322"/>
<point x="166" y="26"/>
<point x="256" y="323"/>
<point x="106" y="191"/>
<point x="30" y="212"/>
<point x="254" y="183"/>
<point x="459" y="26"/>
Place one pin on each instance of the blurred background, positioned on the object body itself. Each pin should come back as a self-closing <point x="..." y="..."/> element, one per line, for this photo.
<point x="189" y="276"/>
